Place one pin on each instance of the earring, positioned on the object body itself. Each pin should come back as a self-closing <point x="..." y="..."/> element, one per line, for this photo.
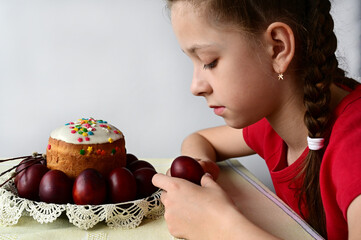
<point x="280" y="76"/>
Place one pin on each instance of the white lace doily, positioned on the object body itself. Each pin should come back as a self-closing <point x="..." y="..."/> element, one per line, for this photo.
<point x="121" y="215"/>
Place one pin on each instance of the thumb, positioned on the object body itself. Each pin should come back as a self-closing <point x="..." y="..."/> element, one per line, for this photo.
<point x="207" y="181"/>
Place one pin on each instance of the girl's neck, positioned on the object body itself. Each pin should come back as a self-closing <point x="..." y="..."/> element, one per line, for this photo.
<point x="294" y="133"/>
<point x="288" y="121"/>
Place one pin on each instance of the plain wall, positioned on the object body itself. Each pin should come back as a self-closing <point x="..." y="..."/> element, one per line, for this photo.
<point x="112" y="60"/>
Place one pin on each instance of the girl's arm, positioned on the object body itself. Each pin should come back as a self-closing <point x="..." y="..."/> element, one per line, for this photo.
<point x="215" y="144"/>
<point x="354" y="219"/>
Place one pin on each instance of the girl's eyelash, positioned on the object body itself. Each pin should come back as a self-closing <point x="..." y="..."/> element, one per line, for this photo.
<point x="210" y="65"/>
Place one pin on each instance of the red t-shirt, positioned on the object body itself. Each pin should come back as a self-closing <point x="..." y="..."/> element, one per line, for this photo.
<point x="340" y="173"/>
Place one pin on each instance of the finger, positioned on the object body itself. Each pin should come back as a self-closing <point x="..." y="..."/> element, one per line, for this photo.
<point x="207" y="181"/>
<point x="168" y="173"/>
<point x="163" y="196"/>
<point x="162" y="181"/>
<point x="159" y="179"/>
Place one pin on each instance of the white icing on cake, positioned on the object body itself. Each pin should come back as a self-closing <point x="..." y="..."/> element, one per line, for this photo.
<point x="87" y="131"/>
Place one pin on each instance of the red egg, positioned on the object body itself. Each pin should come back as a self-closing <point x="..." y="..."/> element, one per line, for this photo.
<point x="28" y="183"/>
<point x="89" y="188"/>
<point x="23" y="165"/>
<point x="55" y="187"/>
<point x="143" y="177"/>
<point x="122" y="186"/>
<point x="131" y="158"/>
<point x="187" y="168"/>
<point x="139" y="164"/>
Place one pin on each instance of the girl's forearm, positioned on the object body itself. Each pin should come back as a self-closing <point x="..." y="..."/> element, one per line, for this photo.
<point x="196" y="146"/>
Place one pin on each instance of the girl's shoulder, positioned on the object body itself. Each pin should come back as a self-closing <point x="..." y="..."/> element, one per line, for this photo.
<point x="349" y="109"/>
<point x="345" y="133"/>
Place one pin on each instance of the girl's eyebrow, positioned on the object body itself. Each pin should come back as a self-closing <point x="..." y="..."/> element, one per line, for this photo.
<point x="196" y="47"/>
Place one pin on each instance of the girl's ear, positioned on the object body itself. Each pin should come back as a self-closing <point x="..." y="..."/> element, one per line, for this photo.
<point x="280" y="45"/>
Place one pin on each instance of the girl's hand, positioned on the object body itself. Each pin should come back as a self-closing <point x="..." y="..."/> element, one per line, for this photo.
<point x="195" y="212"/>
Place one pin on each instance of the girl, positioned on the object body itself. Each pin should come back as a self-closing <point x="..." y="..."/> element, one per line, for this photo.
<point x="269" y="69"/>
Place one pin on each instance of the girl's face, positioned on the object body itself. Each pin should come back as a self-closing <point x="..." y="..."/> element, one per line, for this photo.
<point x="237" y="80"/>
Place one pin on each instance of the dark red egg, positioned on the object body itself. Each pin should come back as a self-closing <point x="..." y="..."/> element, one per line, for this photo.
<point x="143" y="177"/>
<point x="122" y="185"/>
<point x="89" y="188"/>
<point x="55" y="187"/>
<point x="187" y="168"/>
<point x="23" y="165"/>
<point x="28" y="183"/>
<point x="131" y="158"/>
<point x="139" y="164"/>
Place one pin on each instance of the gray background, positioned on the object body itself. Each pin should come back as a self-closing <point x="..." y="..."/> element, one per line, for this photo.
<point x="112" y="60"/>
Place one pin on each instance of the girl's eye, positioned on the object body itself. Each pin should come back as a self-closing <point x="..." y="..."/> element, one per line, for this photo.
<point x="210" y="65"/>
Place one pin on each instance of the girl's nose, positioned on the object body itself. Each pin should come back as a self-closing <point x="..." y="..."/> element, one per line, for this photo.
<point x="200" y="86"/>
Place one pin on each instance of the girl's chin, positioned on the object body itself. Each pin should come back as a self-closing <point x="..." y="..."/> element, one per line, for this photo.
<point x="238" y="123"/>
<point x="234" y="124"/>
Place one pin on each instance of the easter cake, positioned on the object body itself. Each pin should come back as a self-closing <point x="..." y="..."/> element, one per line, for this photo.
<point x="86" y="143"/>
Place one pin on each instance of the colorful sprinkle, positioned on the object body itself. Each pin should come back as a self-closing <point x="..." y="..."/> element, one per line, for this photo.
<point x="99" y="151"/>
<point x="103" y="152"/>
<point x="86" y="127"/>
<point x="90" y="149"/>
<point x="82" y="151"/>
<point x="113" y="151"/>
<point x="49" y="147"/>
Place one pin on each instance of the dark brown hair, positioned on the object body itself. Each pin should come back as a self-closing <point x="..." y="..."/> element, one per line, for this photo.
<point x="315" y="62"/>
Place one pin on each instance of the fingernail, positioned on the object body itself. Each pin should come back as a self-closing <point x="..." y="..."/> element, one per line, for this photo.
<point x="208" y="175"/>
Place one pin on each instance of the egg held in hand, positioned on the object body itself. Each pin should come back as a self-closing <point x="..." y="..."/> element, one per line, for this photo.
<point x="187" y="168"/>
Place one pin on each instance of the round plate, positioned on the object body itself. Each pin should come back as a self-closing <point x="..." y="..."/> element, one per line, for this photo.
<point x="124" y="215"/>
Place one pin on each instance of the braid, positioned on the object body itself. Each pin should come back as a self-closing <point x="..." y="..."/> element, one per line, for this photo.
<point x="321" y="68"/>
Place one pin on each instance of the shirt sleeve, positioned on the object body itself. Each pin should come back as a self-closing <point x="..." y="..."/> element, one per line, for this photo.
<point x="254" y="136"/>
<point x="344" y="158"/>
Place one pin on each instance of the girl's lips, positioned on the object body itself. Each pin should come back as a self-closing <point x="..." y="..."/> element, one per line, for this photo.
<point x="218" y="110"/>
